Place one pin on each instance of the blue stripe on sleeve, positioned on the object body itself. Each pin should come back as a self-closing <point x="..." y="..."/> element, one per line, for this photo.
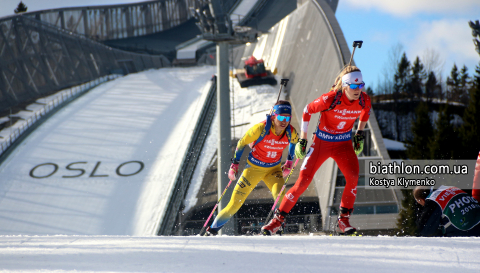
<point x="291" y="151"/>
<point x="238" y="154"/>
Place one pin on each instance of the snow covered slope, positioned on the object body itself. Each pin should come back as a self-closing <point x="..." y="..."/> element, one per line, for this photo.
<point x="238" y="254"/>
<point x="105" y="164"/>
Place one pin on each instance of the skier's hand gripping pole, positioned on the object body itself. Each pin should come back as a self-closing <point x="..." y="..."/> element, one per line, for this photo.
<point x="214" y="208"/>
<point x="281" y="191"/>
<point x="301" y="148"/>
<point x="358" y="140"/>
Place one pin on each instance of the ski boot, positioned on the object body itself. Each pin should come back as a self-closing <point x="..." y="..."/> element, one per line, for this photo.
<point x="211" y="232"/>
<point x="281" y="230"/>
<point x="275" y="224"/>
<point x="343" y="225"/>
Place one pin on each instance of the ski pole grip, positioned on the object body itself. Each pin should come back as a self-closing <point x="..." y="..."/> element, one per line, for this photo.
<point x="357" y="43"/>
<point x="283" y="83"/>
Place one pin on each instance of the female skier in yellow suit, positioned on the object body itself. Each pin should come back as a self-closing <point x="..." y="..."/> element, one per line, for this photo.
<point x="263" y="162"/>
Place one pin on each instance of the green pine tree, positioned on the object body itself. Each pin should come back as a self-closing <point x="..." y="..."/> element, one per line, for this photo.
<point x="475" y="32"/>
<point x="419" y="147"/>
<point x="433" y="89"/>
<point x="470" y="130"/>
<point x="20" y="8"/>
<point x="445" y="140"/>
<point x="453" y="85"/>
<point x="400" y="89"/>
<point x="369" y="91"/>
<point x="401" y="78"/>
<point x="416" y="79"/>
<point x="406" y="223"/>
<point x="464" y="85"/>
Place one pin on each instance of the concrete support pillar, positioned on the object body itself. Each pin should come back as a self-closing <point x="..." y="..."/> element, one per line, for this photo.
<point x="224" y="135"/>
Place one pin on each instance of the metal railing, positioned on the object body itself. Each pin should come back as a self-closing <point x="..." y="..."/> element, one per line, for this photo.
<point x="189" y="162"/>
<point x="37" y="59"/>
<point x="117" y="21"/>
<point x="46" y="51"/>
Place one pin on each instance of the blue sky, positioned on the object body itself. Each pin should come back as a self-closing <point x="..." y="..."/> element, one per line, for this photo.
<point x="419" y="26"/>
<point x="439" y="26"/>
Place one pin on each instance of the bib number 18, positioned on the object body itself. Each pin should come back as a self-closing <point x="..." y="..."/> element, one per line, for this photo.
<point x="272" y="154"/>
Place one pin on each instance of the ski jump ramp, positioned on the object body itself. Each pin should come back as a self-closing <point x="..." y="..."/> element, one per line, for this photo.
<point x="106" y="163"/>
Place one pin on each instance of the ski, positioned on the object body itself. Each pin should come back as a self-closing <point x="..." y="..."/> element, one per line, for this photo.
<point x="354" y="234"/>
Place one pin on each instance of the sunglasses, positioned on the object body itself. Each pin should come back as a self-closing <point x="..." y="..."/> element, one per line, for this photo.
<point x="355" y="86"/>
<point x="283" y="118"/>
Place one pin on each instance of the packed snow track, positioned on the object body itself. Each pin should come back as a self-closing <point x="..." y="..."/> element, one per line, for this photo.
<point x="238" y="254"/>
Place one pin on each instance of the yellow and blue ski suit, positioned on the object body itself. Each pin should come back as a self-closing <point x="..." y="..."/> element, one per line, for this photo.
<point x="263" y="163"/>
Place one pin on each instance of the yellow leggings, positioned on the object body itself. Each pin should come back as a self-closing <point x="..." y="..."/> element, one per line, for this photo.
<point x="248" y="181"/>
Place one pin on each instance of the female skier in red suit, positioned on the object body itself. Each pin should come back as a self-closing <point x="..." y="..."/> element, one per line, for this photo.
<point x="340" y="108"/>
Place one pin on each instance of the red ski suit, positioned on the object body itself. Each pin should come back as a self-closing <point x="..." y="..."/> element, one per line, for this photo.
<point x="332" y="139"/>
<point x="476" y="180"/>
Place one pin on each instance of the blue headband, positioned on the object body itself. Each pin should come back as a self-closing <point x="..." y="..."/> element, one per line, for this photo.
<point x="282" y="109"/>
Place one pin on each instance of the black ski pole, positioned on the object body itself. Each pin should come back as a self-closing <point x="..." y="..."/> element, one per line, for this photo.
<point x="355" y="44"/>
<point x="283" y="83"/>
